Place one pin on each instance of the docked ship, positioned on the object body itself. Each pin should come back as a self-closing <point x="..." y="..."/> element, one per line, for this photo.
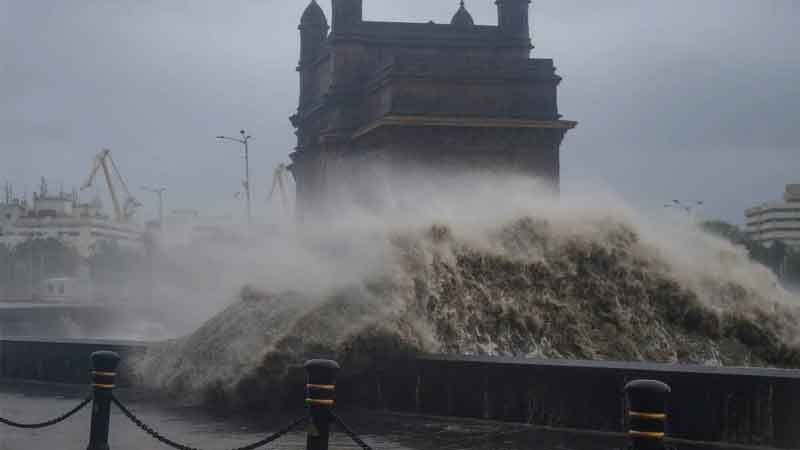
<point x="53" y="246"/>
<point x="63" y="217"/>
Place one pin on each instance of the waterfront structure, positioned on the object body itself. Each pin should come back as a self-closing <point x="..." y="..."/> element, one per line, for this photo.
<point x="380" y="100"/>
<point x="60" y="216"/>
<point x="777" y="221"/>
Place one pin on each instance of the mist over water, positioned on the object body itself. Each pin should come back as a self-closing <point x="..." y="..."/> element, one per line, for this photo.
<point x="473" y="265"/>
<point x="316" y="257"/>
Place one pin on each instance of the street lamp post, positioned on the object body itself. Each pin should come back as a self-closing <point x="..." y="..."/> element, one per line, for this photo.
<point x="160" y="193"/>
<point x="687" y="207"/>
<point x="245" y="139"/>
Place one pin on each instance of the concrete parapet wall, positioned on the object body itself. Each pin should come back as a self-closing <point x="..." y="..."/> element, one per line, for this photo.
<point x="759" y="407"/>
<point x="60" y="361"/>
<point x="751" y="406"/>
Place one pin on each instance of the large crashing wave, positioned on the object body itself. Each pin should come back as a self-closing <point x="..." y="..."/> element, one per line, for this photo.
<point x="591" y="287"/>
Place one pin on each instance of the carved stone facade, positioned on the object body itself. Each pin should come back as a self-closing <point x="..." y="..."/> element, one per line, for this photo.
<point x="378" y="99"/>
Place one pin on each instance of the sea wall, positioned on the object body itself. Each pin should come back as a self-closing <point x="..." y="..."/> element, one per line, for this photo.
<point x="758" y="407"/>
<point x="59" y="320"/>
<point x="736" y="405"/>
<point x="61" y="361"/>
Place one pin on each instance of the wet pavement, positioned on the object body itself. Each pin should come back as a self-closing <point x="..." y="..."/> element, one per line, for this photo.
<point x="29" y="402"/>
<point x="195" y="427"/>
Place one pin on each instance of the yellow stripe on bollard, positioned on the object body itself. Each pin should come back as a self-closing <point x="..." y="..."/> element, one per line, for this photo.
<point x="104" y="386"/>
<point x="321" y="402"/>
<point x="653" y="416"/>
<point x="646" y="434"/>
<point x="327" y="387"/>
<point x="104" y="374"/>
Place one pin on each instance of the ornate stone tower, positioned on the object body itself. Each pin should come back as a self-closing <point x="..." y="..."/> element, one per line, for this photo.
<point x="313" y="33"/>
<point x="347" y="14"/>
<point x="382" y="99"/>
<point x="512" y="18"/>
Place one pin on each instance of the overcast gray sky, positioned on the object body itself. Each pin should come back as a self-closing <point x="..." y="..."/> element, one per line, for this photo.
<point x="679" y="99"/>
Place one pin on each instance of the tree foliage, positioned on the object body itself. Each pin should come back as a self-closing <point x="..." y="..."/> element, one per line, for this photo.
<point x="25" y="266"/>
<point x="781" y="258"/>
<point x="110" y="264"/>
<point x="48" y="258"/>
<point x="727" y="231"/>
<point x="6" y="268"/>
<point x="792" y="269"/>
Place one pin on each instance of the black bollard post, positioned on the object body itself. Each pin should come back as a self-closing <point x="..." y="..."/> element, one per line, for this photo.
<point x="320" y="397"/>
<point x="647" y="413"/>
<point x="104" y="372"/>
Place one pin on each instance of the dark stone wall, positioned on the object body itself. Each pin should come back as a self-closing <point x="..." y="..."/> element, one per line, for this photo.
<point x="61" y="361"/>
<point x="757" y="407"/>
<point x="394" y="163"/>
<point x="56" y="321"/>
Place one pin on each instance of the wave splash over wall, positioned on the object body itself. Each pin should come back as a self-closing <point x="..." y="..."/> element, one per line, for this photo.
<point x="490" y="274"/>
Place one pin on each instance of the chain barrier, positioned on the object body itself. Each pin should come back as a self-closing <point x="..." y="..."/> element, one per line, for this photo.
<point x="646" y="410"/>
<point x="57" y="420"/>
<point x="350" y="433"/>
<point x="166" y="441"/>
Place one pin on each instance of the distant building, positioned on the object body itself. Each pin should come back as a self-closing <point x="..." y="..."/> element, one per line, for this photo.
<point x="380" y="100"/>
<point x="61" y="217"/>
<point x="65" y="290"/>
<point x="777" y="221"/>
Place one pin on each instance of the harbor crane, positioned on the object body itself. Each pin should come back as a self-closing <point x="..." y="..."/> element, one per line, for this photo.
<point x="123" y="212"/>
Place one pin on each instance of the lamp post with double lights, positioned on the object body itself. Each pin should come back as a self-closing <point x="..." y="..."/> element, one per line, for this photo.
<point x="244" y="140"/>
<point x="160" y="193"/>
<point x="687" y="207"/>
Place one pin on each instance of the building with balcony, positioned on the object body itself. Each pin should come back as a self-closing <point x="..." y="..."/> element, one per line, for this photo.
<point x="776" y="221"/>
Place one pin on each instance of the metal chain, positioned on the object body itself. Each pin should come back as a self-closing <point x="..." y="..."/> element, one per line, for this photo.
<point x="352" y="434"/>
<point x="166" y="441"/>
<point x="52" y="422"/>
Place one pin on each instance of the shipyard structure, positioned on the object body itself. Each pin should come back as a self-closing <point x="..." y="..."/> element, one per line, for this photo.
<point x="62" y="217"/>
<point x="47" y="246"/>
<point x="380" y="100"/>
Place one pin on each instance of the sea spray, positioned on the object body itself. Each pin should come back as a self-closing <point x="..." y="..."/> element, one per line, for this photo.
<point x="523" y="278"/>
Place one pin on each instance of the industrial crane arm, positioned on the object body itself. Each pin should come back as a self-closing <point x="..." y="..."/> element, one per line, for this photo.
<point x="95" y="167"/>
<point x="122" y="213"/>
<point x="131" y="203"/>
<point x="125" y="189"/>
